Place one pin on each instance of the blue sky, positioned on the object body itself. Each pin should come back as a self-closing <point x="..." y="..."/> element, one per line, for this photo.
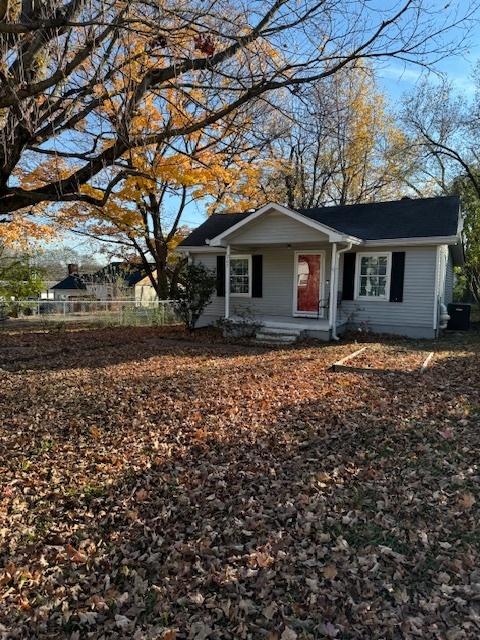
<point x="395" y="79"/>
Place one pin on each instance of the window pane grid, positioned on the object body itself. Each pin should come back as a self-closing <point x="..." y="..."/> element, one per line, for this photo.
<point x="239" y="275"/>
<point x="372" y="286"/>
<point x="373" y="276"/>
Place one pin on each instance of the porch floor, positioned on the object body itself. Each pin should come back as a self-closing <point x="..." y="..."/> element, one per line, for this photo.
<point x="302" y="324"/>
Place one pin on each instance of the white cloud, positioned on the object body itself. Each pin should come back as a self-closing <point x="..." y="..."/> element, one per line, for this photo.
<point x="400" y="73"/>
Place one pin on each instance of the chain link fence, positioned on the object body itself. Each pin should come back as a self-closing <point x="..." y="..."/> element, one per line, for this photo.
<point x="95" y="312"/>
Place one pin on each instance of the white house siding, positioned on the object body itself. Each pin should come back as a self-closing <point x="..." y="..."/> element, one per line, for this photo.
<point x="99" y="290"/>
<point x="278" y="283"/>
<point x="65" y="294"/>
<point x="412" y="317"/>
<point x="145" y="293"/>
<point x="276" y="228"/>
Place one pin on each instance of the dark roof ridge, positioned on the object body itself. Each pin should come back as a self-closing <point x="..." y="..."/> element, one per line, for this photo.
<point x="435" y="216"/>
<point x="404" y="200"/>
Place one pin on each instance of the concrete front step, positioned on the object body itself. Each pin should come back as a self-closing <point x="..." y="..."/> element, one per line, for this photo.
<point x="277" y="336"/>
<point x="265" y="337"/>
<point x="280" y="331"/>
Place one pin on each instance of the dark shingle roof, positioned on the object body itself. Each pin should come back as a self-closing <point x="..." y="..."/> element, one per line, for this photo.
<point x="73" y="281"/>
<point x="406" y="218"/>
<point x="212" y="227"/>
<point x="128" y="274"/>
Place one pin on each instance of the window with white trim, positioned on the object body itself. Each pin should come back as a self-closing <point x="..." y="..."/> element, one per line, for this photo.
<point x="241" y="275"/>
<point x="373" y="276"/>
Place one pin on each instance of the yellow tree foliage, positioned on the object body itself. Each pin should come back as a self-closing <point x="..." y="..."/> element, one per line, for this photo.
<point x="143" y="215"/>
<point x="343" y="147"/>
<point x="19" y="233"/>
<point x="365" y="144"/>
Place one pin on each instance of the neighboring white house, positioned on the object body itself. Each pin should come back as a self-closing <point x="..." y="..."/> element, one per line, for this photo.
<point x="144" y="292"/>
<point x="389" y="264"/>
<point x="72" y="286"/>
<point x="115" y="280"/>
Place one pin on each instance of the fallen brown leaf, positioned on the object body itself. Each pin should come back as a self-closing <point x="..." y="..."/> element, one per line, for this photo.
<point x="330" y="572"/>
<point x="467" y="501"/>
<point x="74" y="555"/>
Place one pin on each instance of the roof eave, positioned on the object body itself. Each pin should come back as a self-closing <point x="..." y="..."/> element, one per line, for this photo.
<point x="426" y="240"/>
<point x="208" y="248"/>
<point x="203" y="248"/>
<point x="454" y="242"/>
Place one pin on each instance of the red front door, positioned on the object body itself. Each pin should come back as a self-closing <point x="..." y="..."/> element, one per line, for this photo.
<point x="308" y="267"/>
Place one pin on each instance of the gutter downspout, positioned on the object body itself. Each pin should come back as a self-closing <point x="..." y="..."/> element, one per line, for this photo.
<point x="331" y="295"/>
<point x="436" y="293"/>
<point x="227" y="283"/>
<point x="334" y="298"/>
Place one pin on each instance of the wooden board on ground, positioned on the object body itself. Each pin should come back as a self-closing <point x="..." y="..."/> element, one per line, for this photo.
<point x="370" y="359"/>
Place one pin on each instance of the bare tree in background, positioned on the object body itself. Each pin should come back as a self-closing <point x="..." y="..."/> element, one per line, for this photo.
<point x="54" y="261"/>
<point x="444" y="129"/>
<point x="340" y="145"/>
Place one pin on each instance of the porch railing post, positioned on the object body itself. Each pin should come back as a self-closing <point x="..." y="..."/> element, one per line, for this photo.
<point x="227" y="282"/>
<point x="333" y="287"/>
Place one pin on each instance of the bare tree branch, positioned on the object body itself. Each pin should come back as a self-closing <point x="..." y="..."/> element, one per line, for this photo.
<point x="75" y="74"/>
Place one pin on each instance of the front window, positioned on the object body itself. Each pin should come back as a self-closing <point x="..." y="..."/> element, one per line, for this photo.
<point x="240" y="275"/>
<point x="373" y="276"/>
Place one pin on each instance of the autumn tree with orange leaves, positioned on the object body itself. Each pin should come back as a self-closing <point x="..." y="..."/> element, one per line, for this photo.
<point x="143" y="217"/>
<point x="74" y="75"/>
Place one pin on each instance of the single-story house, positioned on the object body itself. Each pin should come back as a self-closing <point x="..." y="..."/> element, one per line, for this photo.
<point x="115" y="280"/>
<point x="388" y="266"/>
<point x="73" y="286"/>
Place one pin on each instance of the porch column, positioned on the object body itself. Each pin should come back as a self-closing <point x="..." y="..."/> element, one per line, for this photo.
<point x="333" y="286"/>
<point x="227" y="282"/>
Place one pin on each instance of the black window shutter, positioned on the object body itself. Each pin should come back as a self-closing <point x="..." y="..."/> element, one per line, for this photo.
<point x="348" y="275"/>
<point x="221" y="276"/>
<point x="397" y="276"/>
<point x="257" y="276"/>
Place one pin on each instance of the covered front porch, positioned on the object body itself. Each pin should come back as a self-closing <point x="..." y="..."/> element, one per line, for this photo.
<point x="288" y="287"/>
<point x="287" y="267"/>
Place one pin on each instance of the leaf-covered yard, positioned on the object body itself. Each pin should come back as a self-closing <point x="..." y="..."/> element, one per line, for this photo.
<point x="154" y="488"/>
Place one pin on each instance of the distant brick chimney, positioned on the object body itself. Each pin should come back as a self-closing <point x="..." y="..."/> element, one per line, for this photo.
<point x="72" y="268"/>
